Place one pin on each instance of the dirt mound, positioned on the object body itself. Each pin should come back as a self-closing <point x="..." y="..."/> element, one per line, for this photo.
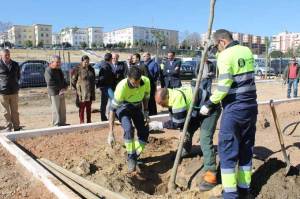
<point x="269" y="181"/>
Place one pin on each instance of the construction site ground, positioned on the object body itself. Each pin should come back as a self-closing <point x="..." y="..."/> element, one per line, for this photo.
<point x="87" y="153"/>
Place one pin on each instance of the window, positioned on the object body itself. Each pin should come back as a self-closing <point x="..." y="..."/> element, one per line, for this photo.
<point x="47" y="35"/>
<point x="42" y="35"/>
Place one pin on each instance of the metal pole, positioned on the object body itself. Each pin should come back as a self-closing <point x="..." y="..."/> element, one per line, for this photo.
<point x="172" y="185"/>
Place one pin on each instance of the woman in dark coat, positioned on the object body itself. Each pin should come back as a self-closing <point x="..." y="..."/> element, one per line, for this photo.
<point x="83" y="81"/>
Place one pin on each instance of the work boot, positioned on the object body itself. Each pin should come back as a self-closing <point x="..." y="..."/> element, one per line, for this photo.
<point x="209" y="181"/>
<point x="131" y="163"/>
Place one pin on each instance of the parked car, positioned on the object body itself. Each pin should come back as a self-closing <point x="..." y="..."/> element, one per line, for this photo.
<point x="67" y="69"/>
<point x="188" y="68"/>
<point x="32" y="73"/>
<point x="262" y="70"/>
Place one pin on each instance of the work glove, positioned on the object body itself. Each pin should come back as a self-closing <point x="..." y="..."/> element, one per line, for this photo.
<point x="146" y="116"/>
<point x="155" y="126"/>
<point x="204" y="110"/>
<point x="111" y="139"/>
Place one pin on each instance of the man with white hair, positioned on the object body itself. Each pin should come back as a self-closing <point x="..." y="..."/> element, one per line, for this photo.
<point x="57" y="86"/>
<point x="9" y="88"/>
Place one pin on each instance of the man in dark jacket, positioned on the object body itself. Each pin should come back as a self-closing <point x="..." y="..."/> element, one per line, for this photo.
<point x="9" y="87"/>
<point x="106" y="83"/>
<point x="292" y="75"/>
<point x="153" y="74"/>
<point x="136" y="61"/>
<point x="57" y="87"/>
<point x="171" y="72"/>
<point x="120" y="68"/>
<point x="209" y="72"/>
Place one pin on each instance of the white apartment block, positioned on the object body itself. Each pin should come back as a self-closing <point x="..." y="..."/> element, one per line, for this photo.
<point x="37" y="34"/>
<point x="76" y="36"/>
<point x="134" y="34"/>
<point x="55" y="39"/>
<point x="285" y="40"/>
<point x="43" y="34"/>
<point x="3" y="37"/>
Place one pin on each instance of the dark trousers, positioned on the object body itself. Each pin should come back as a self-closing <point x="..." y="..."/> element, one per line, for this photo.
<point x="128" y="114"/>
<point x="106" y="94"/>
<point x="235" y="147"/>
<point x="152" y="104"/>
<point x="206" y="84"/>
<point x="82" y="106"/>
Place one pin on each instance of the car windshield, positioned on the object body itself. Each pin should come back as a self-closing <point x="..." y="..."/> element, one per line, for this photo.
<point x="34" y="68"/>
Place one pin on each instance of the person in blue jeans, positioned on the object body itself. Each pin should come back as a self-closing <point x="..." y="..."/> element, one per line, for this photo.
<point x="291" y="76"/>
<point x="106" y="83"/>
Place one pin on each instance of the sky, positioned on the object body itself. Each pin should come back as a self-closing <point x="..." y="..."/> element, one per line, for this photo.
<point x="259" y="17"/>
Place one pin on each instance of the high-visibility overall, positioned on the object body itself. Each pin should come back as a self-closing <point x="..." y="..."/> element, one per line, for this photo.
<point x="237" y="91"/>
<point x="180" y="100"/>
<point x="127" y="104"/>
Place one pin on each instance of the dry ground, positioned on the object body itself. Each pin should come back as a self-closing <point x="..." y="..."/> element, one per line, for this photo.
<point x="21" y="55"/>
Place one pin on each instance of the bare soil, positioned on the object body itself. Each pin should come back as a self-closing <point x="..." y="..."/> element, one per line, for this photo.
<point x="108" y="168"/>
<point x="17" y="183"/>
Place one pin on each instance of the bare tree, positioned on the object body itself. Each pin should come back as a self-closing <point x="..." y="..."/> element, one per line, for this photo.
<point x="192" y="40"/>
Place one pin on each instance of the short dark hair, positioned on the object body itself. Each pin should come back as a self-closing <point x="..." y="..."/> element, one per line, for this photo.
<point x="172" y="52"/>
<point x="222" y="34"/>
<point x="164" y="93"/>
<point x="108" y="57"/>
<point x="137" y="55"/>
<point x="134" y="73"/>
<point x="85" y="57"/>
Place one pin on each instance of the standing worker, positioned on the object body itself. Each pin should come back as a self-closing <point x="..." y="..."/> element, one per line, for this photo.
<point x="171" y="72"/>
<point x="179" y="102"/>
<point x="292" y="75"/>
<point x="131" y="95"/>
<point x="237" y="91"/>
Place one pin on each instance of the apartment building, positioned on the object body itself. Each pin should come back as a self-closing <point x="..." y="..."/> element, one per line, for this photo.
<point x="131" y="35"/>
<point x="76" y="36"/>
<point x="38" y="34"/>
<point x="3" y="37"/>
<point x="254" y="42"/>
<point x="56" y="39"/>
<point x="285" y="40"/>
<point x="43" y="35"/>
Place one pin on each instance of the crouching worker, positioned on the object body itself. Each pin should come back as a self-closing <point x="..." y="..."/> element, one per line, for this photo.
<point x="178" y="101"/>
<point x="130" y="104"/>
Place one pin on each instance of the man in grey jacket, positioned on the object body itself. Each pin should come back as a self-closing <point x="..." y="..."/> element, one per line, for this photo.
<point x="57" y="86"/>
<point x="9" y="87"/>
